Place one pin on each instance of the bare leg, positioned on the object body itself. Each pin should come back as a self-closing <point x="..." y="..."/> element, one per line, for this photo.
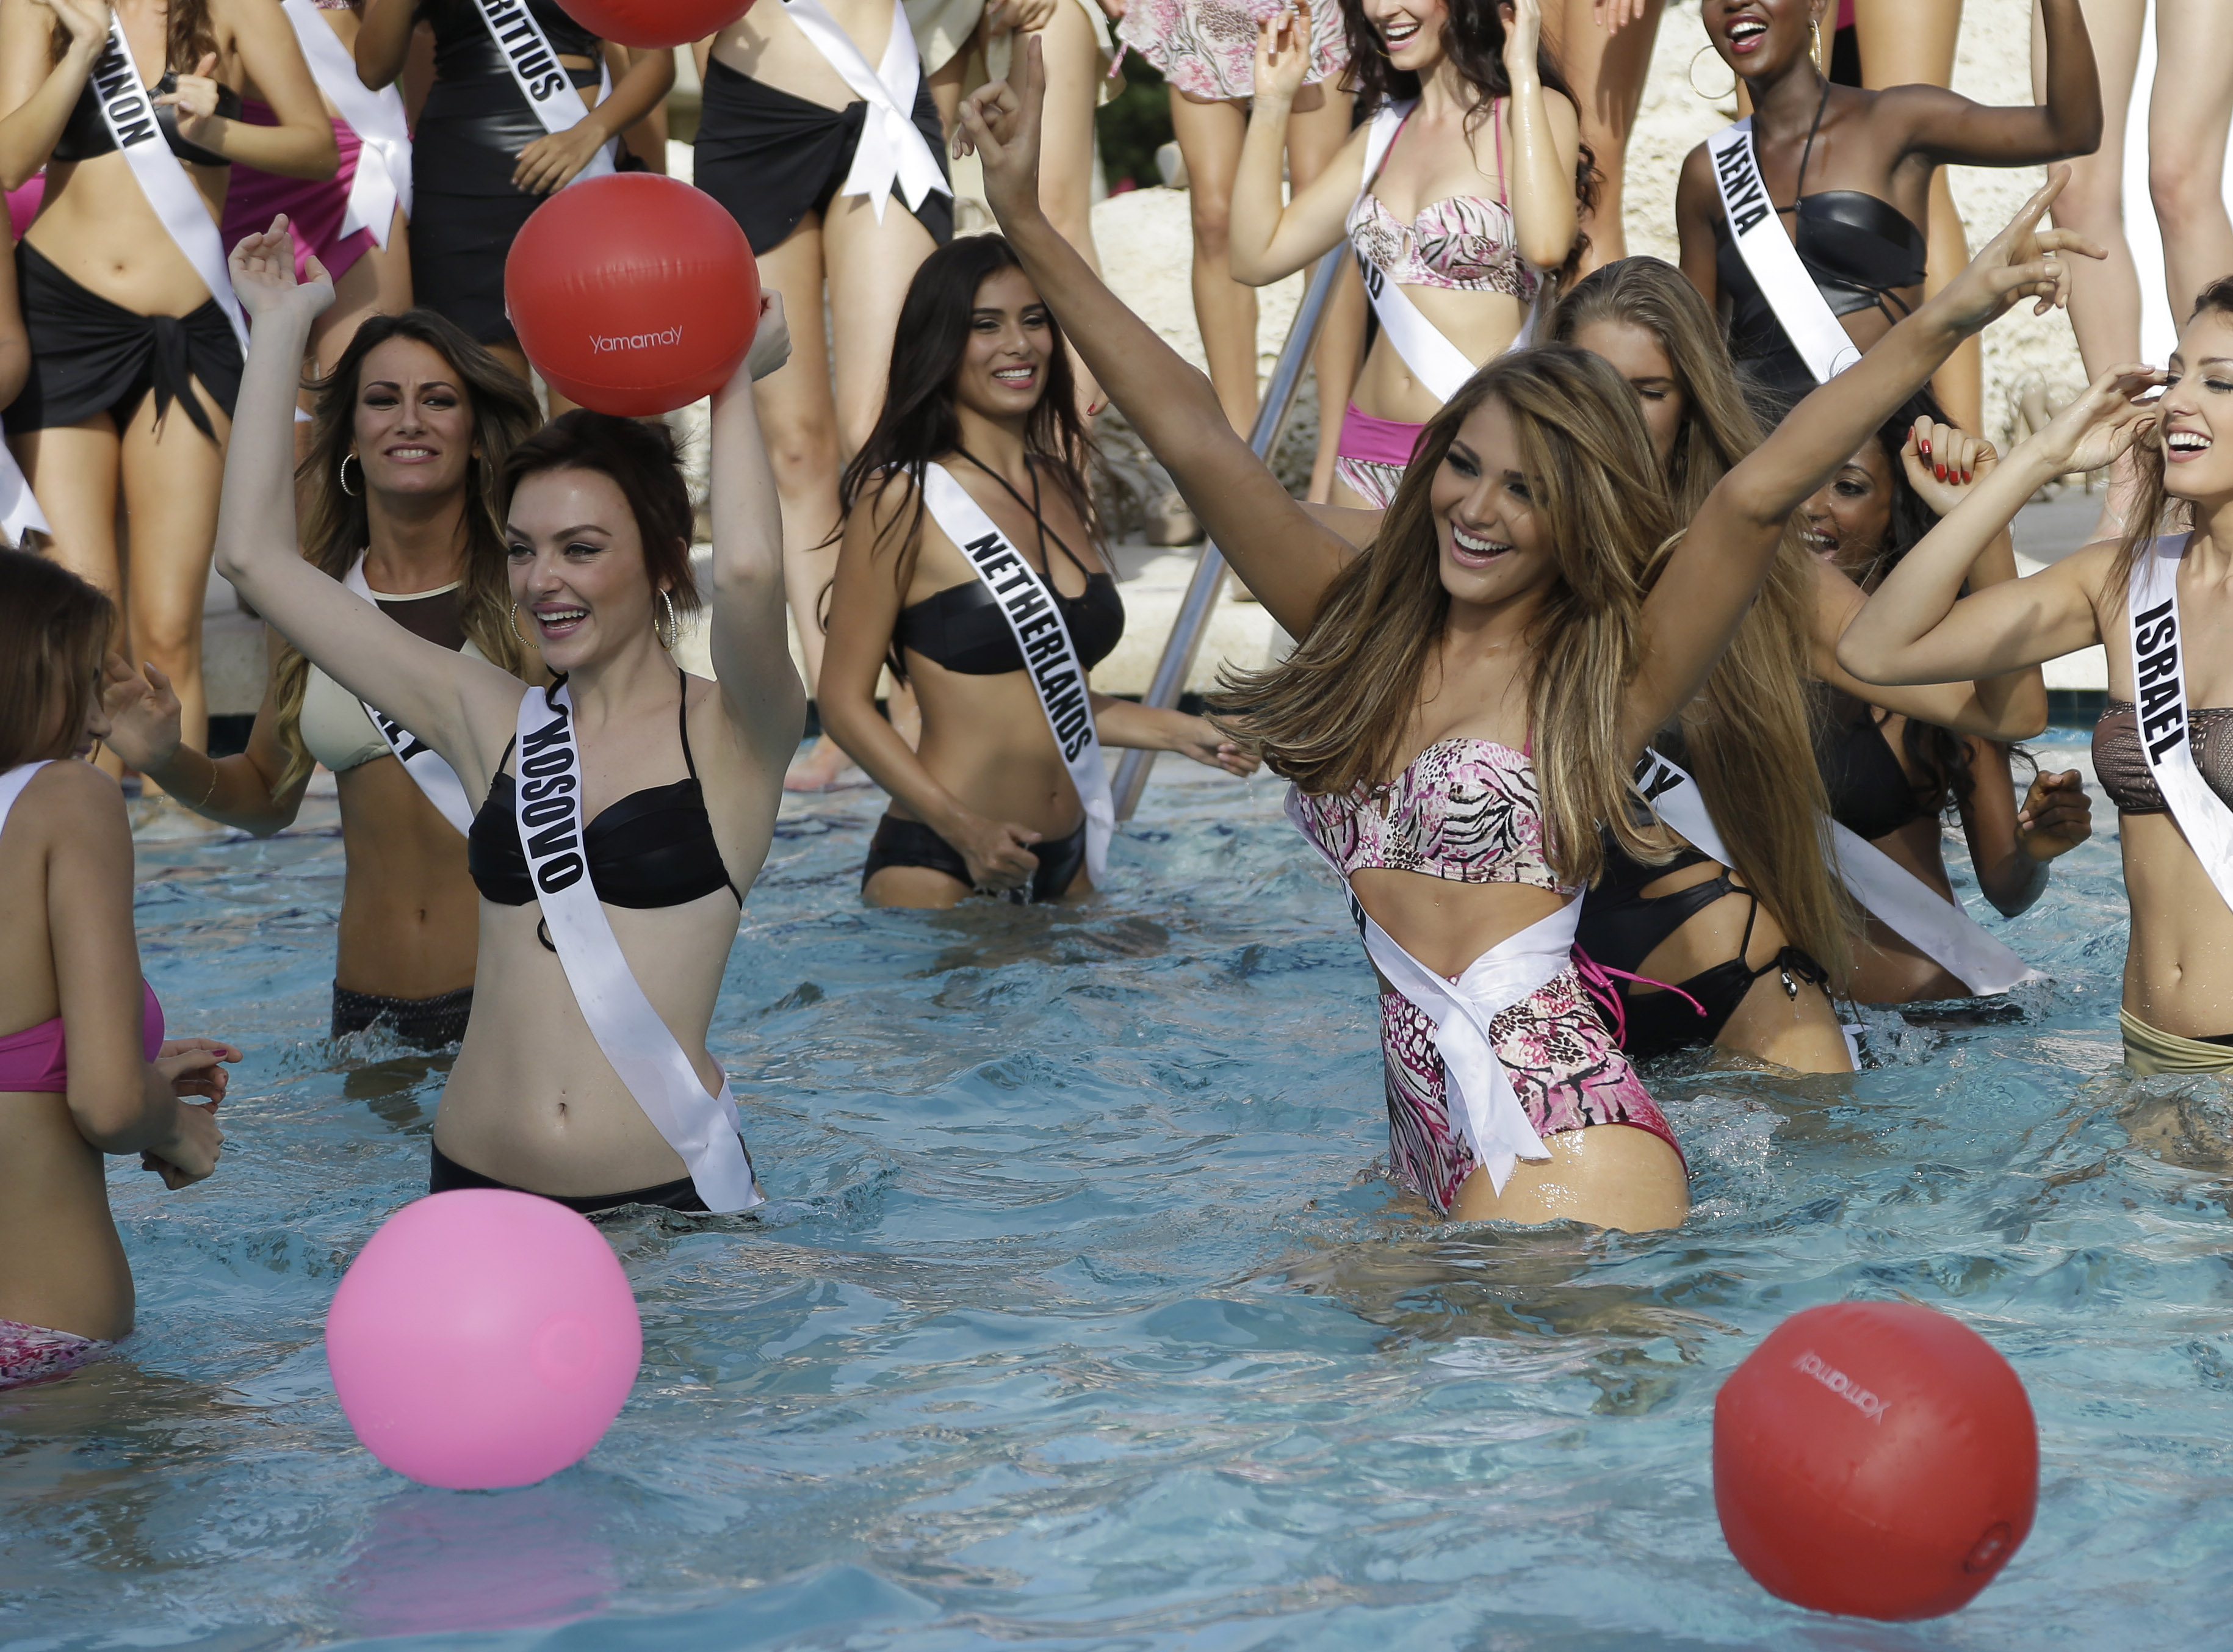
<point x="173" y="474"/>
<point x="1314" y="138"/>
<point x="73" y="469"/>
<point x="1071" y="53"/>
<point x="1608" y="1175"/>
<point x="1606" y="71"/>
<point x="1910" y="42"/>
<point x="2187" y="122"/>
<point x="1209" y="139"/>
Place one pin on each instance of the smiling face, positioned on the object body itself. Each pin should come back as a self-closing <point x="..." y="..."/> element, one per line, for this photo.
<point x="2196" y="412"/>
<point x="412" y="429"/>
<point x="577" y="568"/>
<point x="1760" y="38"/>
<point x="1638" y="356"/>
<point x="1849" y="517"/>
<point x="1410" y="31"/>
<point x="1485" y="524"/>
<point x="1003" y="365"/>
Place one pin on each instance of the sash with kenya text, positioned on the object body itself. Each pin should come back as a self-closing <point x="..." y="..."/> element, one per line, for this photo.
<point x="1805" y="316"/>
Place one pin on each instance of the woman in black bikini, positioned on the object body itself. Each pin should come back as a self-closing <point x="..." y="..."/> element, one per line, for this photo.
<point x="585" y="1067"/>
<point x="129" y="327"/>
<point x="981" y="395"/>
<point x="1848" y="173"/>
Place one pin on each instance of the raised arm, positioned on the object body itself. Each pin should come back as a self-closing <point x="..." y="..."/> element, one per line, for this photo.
<point x="1919" y="627"/>
<point x="1547" y="139"/>
<point x="1268" y="240"/>
<point x="35" y="98"/>
<point x="464" y="707"/>
<point x="240" y="790"/>
<point x="301" y="144"/>
<point x="1712" y="576"/>
<point x="1948" y="129"/>
<point x="751" y="649"/>
<point x="383" y="40"/>
<point x="1696" y="200"/>
<point x="1280" y="553"/>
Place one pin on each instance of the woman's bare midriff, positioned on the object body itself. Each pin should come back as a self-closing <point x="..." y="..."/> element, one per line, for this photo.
<point x="1481" y="325"/>
<point x="410" y="916"/>
<point x="766" y="45"/>
<point x="61" y="1264"/>
<point x="97" y="228"/>
<point x="1446" y="924"/>
<point x="985" y="740"/>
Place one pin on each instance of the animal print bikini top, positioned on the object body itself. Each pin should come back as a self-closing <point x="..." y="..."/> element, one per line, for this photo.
<point x="1465" y="809"/>
<point x="1465" y="242"/>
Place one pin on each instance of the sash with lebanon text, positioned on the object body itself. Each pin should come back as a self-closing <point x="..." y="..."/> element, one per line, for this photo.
<point x="702" y="1128"/>
<point x="420" y="761"/>
<point x="892" y="149"/>
<point x="1435" y="361"/>
<point x="2159" y="709"/>
<point x="383" y="164"/>
<point x="1805" y="316"/>
<point x="130" y="115"/>
<point x="541" y="78"/>
<point x="1044" y="641"/>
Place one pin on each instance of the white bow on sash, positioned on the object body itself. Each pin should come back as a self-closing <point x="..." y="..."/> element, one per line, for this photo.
<point x="892" y="148"/>
<point x="1479" y="1091"/>
<point x="383" y="164"/>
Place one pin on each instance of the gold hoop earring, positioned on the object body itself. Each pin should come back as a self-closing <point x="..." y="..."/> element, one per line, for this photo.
<point x="674" y="629"/>
<point x="512" y="619"/>
<point x="1692" y="76"/>
<point x="341" y="475"/>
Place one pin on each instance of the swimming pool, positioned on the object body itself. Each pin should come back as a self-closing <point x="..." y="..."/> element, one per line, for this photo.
<point x="1076" y="1320"/>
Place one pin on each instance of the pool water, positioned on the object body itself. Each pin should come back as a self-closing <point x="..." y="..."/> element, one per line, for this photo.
<point x="1080" y="1317"/>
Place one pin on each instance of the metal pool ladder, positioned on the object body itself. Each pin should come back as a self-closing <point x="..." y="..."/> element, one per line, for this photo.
<point x="1271" y="415"/>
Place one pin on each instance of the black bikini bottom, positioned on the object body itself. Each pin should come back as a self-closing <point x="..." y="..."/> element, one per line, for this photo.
<point x="427" y="1024"/>
<point x="90" y="356"/>
<point x="771" y="159"/>
<point x="909" y="843"/>
<point x="445" y="1175"/>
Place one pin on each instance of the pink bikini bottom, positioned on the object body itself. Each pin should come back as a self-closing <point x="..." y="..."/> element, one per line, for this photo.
<point x="33" y="1354"/>
<point x="1371" y="454"/>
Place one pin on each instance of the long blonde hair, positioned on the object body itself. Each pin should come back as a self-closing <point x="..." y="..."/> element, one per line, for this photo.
<point x="1333" y="715"/>
<point x="335" y="527"/>
<point x="1749" y="735"/>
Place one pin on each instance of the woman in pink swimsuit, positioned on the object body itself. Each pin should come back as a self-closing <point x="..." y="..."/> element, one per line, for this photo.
<point x="70" y="965"/>
<point x="1493" y="620"/>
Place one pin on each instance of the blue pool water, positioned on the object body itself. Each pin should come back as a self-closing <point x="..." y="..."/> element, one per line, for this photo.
<point x="1079" y="1320"/>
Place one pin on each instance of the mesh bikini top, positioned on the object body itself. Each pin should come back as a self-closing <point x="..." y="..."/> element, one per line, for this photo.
<point x="1462" y="242"/>
<point x="334" y="728"/>
<point x="85" y="134"/>
<point x="2123" y="767"/>
<point x="1465" y="809"/>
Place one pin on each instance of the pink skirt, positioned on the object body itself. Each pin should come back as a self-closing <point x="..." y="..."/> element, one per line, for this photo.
<point x="314" y="207"/>
<point x="1207" y="48"/>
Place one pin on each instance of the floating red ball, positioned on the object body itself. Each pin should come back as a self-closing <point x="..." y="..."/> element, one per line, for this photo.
<point x="654" y="24"/>
<point x="633" y="294"/>
<point x="1875" y="1459"/>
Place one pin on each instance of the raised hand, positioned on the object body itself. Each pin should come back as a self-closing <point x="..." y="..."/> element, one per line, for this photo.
<point x="2056" y="817"/>
<point x="1283" y="51"/>
<point x="1016" y="16"/>
<point x="84" y="21"/>
<point x="1613" y="15"/>
<point x="771" y="344"/>
<point x="196" y="102"/>
<point x="1000" y="124"/>
<point x="1523" y="36"/>
<point x="1944" y="461"/>
<point x="142" y="711"/>
<point x="2022" y="261"/>
<point x="263" y="275"/>
<point x="2116" y="410"/>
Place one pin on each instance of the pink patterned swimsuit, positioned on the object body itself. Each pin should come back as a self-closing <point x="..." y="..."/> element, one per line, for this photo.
<point x="1469" y="810"/>
<point x="1207" y="48"/>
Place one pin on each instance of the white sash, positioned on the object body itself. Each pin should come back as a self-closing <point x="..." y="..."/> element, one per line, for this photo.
<point x="541" y="78"/>
<point x="2159" y="696"/>
<point x="1910" y="908"/>
<point x="130" y="113"/>
<point x="892" y="147"/>
<point x="12" y="783"/>
<point x="1478" y="1091"/>
<point x="19" y="510"/>
<point x="1435" y="361"/>
<point x="383" y="164"/>
<point x="1044" y="641"/>
<point x="548" y="798"/>
<point x="420" y="761"/>
<point x="1807" y="321"/>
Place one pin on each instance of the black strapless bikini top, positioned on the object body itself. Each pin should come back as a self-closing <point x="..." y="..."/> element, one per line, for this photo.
<point x="653" y="847"/>
<point x="464" y="50"/>
<point x="85" y="134"/>
<point x="962" y="629"/>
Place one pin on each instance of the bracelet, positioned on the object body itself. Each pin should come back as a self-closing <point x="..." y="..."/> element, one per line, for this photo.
<point x="211" y="790"/>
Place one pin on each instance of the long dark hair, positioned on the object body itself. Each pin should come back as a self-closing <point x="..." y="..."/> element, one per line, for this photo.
<point x="1473" y="39"/>
<point x="54" y="630"/>
<point x="335" y="527"/>
<point x="920" y="421"/>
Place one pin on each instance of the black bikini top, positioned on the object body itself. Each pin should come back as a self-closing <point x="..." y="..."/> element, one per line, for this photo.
<point x="1870" y="793"/>
<point x="85" y="134"/>
<point x="653" y="847"/>
<point x="1862" y="251"/>
<point x="464" y="50"/>
<point x="963" y="629"/>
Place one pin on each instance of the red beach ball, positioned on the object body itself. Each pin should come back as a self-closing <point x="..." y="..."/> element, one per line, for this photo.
<point x="1875" y="1459"/>
<point x="633" y="294"/>
<point x="653" y="24"/>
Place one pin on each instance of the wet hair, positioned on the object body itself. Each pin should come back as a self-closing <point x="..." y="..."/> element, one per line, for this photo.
<point x="2154" y="512"/>
<point x="1749" y="736"/>
<point x="920" y="421"/>
<point x="337" y="524"/>
<point x="54" y="634"/>
<point x="644" y="462"/>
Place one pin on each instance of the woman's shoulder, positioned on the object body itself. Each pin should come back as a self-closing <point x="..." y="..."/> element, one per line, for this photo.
<point x="72" y="798"/>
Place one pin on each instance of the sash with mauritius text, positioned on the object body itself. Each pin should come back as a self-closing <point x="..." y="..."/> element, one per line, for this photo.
<point x="541" y="78"/>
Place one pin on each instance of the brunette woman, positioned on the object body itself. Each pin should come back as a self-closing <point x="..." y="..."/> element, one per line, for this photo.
<point x="584" y="1075"/>
<point x="84" y="1069"/>
<point x="135" y="340"/>
<point x="1006" y="792"/>
<point x="411" y="431"/>
<point x="2158" y="599"/>
<point x="1468" y="697"/>
<point x="1844" y="174"/>
<point x="1457" y="193"/>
